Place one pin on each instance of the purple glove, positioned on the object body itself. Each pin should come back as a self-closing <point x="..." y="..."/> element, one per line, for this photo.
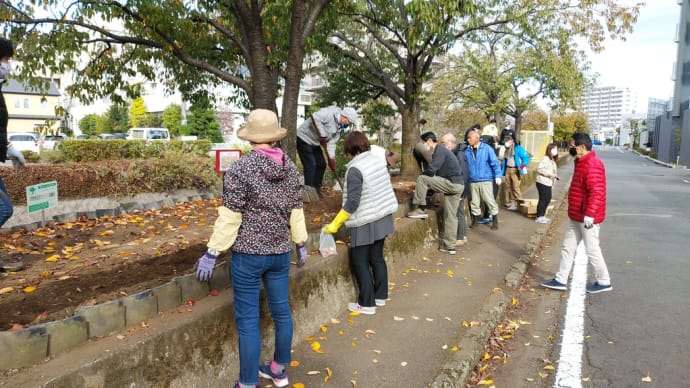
<point x="204" y="266"/>
<point x="302" y="252"/>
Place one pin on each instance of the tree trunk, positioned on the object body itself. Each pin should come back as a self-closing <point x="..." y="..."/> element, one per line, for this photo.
<point x="410" y="137"/>
<point x="293" y="78"/>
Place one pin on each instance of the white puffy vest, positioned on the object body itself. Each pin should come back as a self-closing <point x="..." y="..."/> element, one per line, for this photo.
<point x="378" y="199"/>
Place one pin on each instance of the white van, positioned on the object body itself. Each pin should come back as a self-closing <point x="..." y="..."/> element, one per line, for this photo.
<point x="148" y="134"/>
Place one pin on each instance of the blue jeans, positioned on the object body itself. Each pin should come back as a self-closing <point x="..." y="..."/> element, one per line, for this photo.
<point x="6" y="208"/>
<point x="248" y="271"/>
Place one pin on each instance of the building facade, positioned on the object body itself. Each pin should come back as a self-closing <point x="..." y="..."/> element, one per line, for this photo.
<point x="31" y="110"/>
<point x="671" y="140"/>
<point x="607" y="106"/>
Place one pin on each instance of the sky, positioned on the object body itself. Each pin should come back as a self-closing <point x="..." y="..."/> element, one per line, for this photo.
<point x="644" y="62"/>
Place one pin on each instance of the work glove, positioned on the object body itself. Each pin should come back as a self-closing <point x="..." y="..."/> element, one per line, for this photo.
<point x="204" y="266"/>
<point x="331" y="164"/>
<point x="302" y="253"/>
<point x="498" y="181"/>
<point x="323" y="141"/>
<point x="337" y="222"/>
<point x="589" y="222"/>
<point x="16" y="157"/>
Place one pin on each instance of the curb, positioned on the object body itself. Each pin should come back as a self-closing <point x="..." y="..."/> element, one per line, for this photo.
<point x="456" y="372"/>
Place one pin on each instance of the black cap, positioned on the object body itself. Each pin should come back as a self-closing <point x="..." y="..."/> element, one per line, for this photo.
<point x="6" y="48"/>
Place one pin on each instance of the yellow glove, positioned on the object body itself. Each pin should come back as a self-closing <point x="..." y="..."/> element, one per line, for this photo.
<point x="298" y="228"/>
<point x="337" y="222"/>
<point x="225" y="229"/>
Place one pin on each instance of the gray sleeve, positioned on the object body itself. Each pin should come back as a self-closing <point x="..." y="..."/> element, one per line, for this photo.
<point x="354" y="182"/>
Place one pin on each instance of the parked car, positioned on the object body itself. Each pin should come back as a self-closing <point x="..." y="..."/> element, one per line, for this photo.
<point x="82" y="137"/>
<point x="24" y="141"/>
<point x="106" y="136"/>
<point x="120" y="136"/>
<point x="148" y="134"/>
<point x="51" y="141"/>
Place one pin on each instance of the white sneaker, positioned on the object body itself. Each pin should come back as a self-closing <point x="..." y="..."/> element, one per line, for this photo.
<point x="380" y="302"/>
<point x="512" y="207"/>
<point x="355" y="307"/>
<point x="542" y="220"/>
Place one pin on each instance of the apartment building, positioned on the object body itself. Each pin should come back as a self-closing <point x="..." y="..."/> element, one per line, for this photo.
<point x="607" y="106"/>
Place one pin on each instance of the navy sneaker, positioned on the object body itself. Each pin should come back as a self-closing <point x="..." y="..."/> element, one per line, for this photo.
<point x="484" y="220"/>
<point x="597" y="288"/>
<point x="280" y="380"/>
<point x="555" y="285"/>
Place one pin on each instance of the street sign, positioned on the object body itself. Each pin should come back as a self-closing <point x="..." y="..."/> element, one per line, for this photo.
<point x="41" y="196"/>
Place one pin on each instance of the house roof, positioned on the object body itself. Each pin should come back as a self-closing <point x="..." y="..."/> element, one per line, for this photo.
<point x="13" y="87"/>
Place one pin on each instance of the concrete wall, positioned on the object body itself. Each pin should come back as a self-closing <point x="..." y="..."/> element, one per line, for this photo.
<point x="196" y="346"/>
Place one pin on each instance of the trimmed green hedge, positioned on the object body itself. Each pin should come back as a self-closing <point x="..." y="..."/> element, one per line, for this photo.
<point x="95" y="150"/>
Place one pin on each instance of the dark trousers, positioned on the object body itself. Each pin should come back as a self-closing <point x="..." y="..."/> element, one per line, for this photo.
<point x="370" y="272"/>
<point x="462" y="223"/>
<point x="313" y="163"/>
<point x="544" y="198"/>
<point x="6" y="208"/>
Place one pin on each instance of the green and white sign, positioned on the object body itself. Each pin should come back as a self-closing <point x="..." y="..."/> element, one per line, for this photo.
<point x="41" y="196"/>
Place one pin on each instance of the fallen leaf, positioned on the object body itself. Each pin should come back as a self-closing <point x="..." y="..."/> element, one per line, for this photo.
<point x="52" y="259"/>
<point x="549" y="367"/>
<point x="294" y="363"/>
<point x="324" y="328"/>
<point x="485" y="382"/>
<point x="647" y="379"/>
<point x="120" y="337"/>
<point x="354" y="383"/>
<point x="6" y="290"/>
<point x="404" y="363"/>
<point x="314" y="372"/>
<point x="29" y="289"/>
<point x="397" y="318"/>
<point x="335" y="321"/>
<point x="297" y="385"/>
<point x="316" y="347"/>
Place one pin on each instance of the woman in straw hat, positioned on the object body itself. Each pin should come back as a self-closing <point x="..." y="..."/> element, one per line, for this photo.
<point x="261" y="213"/>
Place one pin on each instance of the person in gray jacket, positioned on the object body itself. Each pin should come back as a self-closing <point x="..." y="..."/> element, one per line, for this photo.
<point x="321" y="129"/>
<point x="443" y="176"/>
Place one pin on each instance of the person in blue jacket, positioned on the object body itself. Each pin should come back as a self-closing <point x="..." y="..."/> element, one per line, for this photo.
<point x="484" y="170"/>
<point x="514" y="166"/>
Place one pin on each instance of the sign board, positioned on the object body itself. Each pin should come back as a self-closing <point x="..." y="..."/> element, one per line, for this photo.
<point x="224" y="158"/>
<point x="41" y="196"/>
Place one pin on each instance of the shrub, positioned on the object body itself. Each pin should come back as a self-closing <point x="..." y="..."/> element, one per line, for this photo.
<point x="93" y="150"/>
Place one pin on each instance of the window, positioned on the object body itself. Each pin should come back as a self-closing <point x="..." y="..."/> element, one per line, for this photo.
<point x="44" y="104"/>
<point x="17" y="102"/>
<point x="26" y="103"/>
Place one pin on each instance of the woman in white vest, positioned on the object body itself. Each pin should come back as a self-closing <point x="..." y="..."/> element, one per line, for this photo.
<point x="368" y="206"/>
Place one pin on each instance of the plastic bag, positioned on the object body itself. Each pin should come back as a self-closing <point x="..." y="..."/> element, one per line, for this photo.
<point x="327" y="244"/>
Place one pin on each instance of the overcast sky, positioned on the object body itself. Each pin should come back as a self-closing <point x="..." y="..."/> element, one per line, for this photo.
<point x="645" y="61"/>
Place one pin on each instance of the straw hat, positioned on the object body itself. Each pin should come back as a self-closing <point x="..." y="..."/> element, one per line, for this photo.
<point x="262" y="128"/>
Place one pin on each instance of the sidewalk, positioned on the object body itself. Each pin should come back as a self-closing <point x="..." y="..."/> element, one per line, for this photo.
<point x="440" y="312"/>
<point x="438" y="317"/>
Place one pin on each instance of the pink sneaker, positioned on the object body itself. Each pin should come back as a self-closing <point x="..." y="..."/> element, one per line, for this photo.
<point x="355" y="307"/>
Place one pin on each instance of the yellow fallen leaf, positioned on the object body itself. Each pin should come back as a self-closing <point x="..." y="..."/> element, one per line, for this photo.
<point x="315" y="346"/>
<point x="354" y="313"/>
<point x="354" y="383"/>
<point x="341" y="332"/>
<point x="314" y="372"/>
<point x="106" y="233"/>
<point x="549" y="367"/>
<point x="335" y="321"/>
<point x="485" y="382"/>
<point x="297" y="385"/>
<point x="454" y="349"/>
<point x="29" y="289"/>
<point x="450" y="273"/>
<point x="294" y="363"/>
<point x="647" y="379"/>
<point x="487" y="356"/>
<point x="52" y="259"/>
<point x="310" y="338"/>
<point x="329" y="372"/>
<point x="514" y="301"/>
<point x="324" y="328"/>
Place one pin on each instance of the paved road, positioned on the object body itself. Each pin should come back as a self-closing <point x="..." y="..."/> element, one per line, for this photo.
<point x="640" y="329"/>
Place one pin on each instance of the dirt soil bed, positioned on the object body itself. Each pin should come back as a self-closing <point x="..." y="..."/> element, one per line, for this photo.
<point x="91" y="261"/>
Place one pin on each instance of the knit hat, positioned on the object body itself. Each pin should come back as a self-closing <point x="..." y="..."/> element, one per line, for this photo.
<point x="350" y="114"/>
<point x="6" y="48"/>
<point x="262" y="128"/>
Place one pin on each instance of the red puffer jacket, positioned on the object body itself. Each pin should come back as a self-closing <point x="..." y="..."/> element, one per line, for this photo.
<point x="587" y="193"/>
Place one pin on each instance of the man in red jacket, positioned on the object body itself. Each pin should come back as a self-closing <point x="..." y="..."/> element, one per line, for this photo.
<point x="586" y="210"/>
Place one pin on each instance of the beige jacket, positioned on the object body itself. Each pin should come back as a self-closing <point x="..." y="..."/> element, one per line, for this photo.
<point x="547" y="171"/>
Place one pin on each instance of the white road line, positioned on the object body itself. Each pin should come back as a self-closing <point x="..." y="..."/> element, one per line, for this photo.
<point x="569" y="372"/>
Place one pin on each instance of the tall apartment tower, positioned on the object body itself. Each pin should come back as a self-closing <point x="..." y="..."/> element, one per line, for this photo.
<point x="606" y="106"/>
